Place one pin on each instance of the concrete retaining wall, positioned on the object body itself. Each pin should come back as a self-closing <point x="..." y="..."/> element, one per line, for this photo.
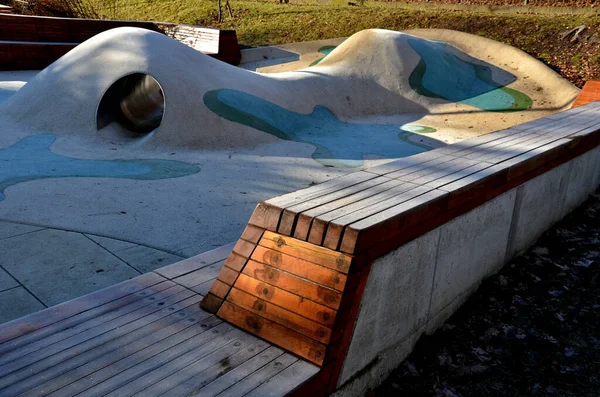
<point x="415" y="288"/>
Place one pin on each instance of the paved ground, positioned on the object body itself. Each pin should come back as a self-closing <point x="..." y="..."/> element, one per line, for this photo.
<point x="41" y="267"/>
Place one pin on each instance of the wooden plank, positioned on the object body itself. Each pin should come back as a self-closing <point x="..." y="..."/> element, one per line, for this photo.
<point x="56" y="332"/>
<point x="196" y="262"/>
<point x="211" y="303"/>
<point x="204" y="370"/>
<point x="458" y="175"/>
<point x="29" y="365"/>
<point x="220" y="289"/>
<point x="41" y="319"/>
<point x="320" y="220"/>
<point x="589" y="93"/>
<point x="133" y="347"/>
<point x="471" y="143"/>
<point x="321" y="189"/>
<point x="304" y="226"/>
<point x="203" y="288"/>
<point x="286" y="381"/>
<point x="280" y="316"/>
<point x="273" y="332"/>
<point x="252" y="234"/>
<point x="244" y="248"/>
<point x="228" y="276"/>
<point x="406" y="162"/>
<point x="308" y="252"/>
<point x="257" y="378"/>
<point x="335" y="228"/>
<point x="267" y="214"/>
<point x="536" y="158"/>
<point x="288" y="218"/>
<point x="392" y="221"/>
<point x="526" y="147"/>
<point x="239" y="373"/>
<point x="206" y="273"/>
<point x="432" y="175"/>
<point x="301" y="268"/>
<point x="192" y="337"/>
<point x="291" y="283"/>
<point x="136" y="378"/>
<point x="294" y="303"/>
<point x="478" y="151"/>
<point x="420" y="169"/>
<point x="235" y="262"/>
<point x="473" y="185"/>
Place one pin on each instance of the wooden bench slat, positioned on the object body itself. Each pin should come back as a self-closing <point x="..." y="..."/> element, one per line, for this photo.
<point x="72" y="375"/>
<point x="280" y="316"/>
<point x="299" y="249"/>
<point x="131" y="380"/>
<point x="79" y="344"/>
<point x="294" y="284"/>
<point x="41" y="319"/>
<point x="251" y="382"/>
<point x="189" y="364"/>
<point x="300" y="267"/>
<point x="240" y="373"/>
<point x="87" y="320"/>
<point x="294" y="303"/>
<point x="288" y="218"/>
<point x="192" y="384"/>
<point x="288" y="339"/>
<point x="196" y="262"/>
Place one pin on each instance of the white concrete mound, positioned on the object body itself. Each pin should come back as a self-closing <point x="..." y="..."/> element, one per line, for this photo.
<point x="365" y="76"/>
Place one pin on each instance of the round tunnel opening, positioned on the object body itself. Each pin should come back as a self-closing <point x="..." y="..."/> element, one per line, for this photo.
<point x="135" y="101"/>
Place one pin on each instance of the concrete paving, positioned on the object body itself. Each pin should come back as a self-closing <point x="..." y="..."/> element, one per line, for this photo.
<point x="41" y="267"/>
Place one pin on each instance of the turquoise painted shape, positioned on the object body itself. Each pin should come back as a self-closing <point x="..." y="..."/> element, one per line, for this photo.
<point x="441" y="74"/>
<point x="31" y="159"/>
<point x="325" y="50"/>
<point x="338" y="144"/>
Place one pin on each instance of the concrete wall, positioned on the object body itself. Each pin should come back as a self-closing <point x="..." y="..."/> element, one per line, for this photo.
<point x="415" y="288"/>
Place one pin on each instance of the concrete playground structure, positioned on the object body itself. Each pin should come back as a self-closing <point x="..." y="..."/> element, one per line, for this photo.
<point x="437" y="153"/>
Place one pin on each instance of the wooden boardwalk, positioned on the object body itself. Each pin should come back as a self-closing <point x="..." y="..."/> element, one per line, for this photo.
<point x="144" y="337"/>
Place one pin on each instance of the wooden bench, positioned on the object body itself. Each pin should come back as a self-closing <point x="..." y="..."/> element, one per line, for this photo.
<point x="43" y="39"/>
<point x="147" y="335"/>
<point x="297" y="275"/>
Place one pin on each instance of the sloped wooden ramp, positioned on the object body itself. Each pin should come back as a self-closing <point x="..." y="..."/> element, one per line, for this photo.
<point x="589" y="93"/>
<point x="144" y="337"/>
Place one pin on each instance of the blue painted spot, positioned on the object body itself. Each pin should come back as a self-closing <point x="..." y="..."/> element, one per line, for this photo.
<point x="31" y="159"/>
<point x="441" y="74"/>
<point x="337" y="143"/>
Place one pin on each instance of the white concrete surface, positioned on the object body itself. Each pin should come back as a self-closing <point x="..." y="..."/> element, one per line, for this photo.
<point x="471" y="248"/>
<point x="540" y="204"/>
<point x="41" y="267"/>
<point x="583" y="175"/>
<point x="395" y="303"/>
